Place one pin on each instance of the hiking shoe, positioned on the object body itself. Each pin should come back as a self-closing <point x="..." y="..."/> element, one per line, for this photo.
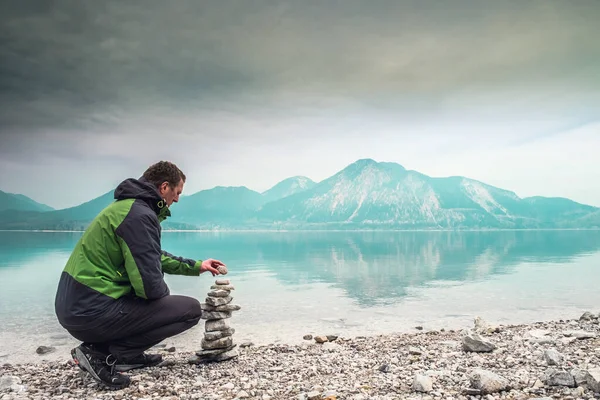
<point x="98" y="366"/>
<point x="141" y="361"/>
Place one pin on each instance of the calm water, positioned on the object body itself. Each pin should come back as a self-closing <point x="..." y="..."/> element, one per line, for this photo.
<point x="351" y="283"/>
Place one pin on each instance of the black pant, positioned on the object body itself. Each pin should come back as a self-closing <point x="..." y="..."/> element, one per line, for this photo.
<point x="140" y="324"/>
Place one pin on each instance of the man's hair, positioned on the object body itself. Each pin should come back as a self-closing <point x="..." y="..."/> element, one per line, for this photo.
<point x="164" y="171"/>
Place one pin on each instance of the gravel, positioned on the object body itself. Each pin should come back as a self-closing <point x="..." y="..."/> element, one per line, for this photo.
<point x="544" y="360"/>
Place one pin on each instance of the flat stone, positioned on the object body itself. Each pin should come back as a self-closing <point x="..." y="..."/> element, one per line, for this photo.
<point x="194" y="360"/>
<point x="580" y="334"/>
<point x="222" y="269"/>
<point x="221" y="343"/>
<point x="222" y="282"/>
<point x="223" y="287"/>
<point x="214" y="352"/>
<point x="321" y="339"/>
<point x="218" y="293"/>
<point x="216" y="325"/>
<point x="228" y="355"/>
<point x="228" y="307"/>
<point x="537" y="333"/>
<point x="215" y="315"/>
<point x="547" y="340"/>
<point x="219" y="334"/>
<point x="207" y="307"/>
<point x="45" y="349"/>
<point x="218" y="301"/>
<point x="224" y="356"/>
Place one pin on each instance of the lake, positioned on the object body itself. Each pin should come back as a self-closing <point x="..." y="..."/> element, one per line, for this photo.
<point x="289" y="284"/>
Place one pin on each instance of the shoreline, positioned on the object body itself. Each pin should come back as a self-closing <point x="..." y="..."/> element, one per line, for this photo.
<point x="326" y="230"/>
<point x="552" y="359"/>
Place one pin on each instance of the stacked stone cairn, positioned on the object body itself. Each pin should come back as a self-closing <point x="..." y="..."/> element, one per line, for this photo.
<point x="217" y="344"/>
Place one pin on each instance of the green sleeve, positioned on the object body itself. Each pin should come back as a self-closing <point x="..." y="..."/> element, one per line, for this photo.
<point x="178" y="265"/>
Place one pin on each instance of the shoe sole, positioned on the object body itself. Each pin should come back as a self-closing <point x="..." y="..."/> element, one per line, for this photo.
<point x="81" y="360"/>
<point x="129" y="367"/>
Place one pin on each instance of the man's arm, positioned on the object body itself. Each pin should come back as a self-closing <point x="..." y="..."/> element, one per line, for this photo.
<point x="178" y="265"/>
<point x="140" y="243"/>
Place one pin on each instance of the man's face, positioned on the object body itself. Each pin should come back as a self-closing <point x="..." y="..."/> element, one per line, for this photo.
<point x="170" y="194"/>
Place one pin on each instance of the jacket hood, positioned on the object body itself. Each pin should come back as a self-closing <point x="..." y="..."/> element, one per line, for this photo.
<point x="140" y="189"/>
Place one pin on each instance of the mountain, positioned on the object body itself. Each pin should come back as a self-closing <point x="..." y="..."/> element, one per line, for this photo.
<point x="19" y="202"/>
<point x="72" y="218"/>
<point x="208" y="208"/>
<point x="370" y="194"/>
<point x="364" y="195"/>
<point x="288" y="187"/>
<point x="217" y="207"/>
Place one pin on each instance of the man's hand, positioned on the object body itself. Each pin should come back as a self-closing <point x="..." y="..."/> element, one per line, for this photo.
<point x="211" y="266"/>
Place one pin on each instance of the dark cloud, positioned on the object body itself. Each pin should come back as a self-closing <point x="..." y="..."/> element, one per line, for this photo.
<point x="100" y="66"/>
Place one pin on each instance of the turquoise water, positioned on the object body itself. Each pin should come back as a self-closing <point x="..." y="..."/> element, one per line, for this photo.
<point x="350" y="283"/>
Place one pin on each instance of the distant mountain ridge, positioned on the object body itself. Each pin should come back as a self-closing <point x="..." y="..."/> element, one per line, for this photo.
<point x="288" y="187"/>
<point x="19" y="202"/>
<point x="364" y="195"/>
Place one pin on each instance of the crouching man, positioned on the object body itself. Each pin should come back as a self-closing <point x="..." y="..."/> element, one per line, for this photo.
<point x="112" y="295"/>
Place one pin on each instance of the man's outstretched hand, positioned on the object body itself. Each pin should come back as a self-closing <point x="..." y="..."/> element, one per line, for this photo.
<point x="211" y="265"/>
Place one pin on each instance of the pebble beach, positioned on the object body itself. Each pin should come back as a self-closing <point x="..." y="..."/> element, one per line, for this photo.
<point x="544" y="360"/>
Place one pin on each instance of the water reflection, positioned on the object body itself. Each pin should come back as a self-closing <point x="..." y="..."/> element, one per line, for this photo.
<point x="381" y="267"/>
<point x="18" y="247"/>
<point x="369" y="267"/>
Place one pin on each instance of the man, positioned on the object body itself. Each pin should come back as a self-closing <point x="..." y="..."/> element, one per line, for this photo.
<point x="112" y="295"/>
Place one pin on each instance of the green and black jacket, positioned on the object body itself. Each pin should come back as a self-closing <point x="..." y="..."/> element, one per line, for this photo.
<point x="119" y="255"/>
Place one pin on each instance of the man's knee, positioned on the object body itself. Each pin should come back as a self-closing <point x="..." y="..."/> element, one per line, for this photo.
<point x="195" y="309"/>
<point x="189" y="307"/>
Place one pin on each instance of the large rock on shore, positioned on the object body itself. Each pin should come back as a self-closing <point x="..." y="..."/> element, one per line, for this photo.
<point x="422" y="383"/>
<point x="593" y="379"/>
<point x="475" y="343"/>
<point x="488" y="382"/>
<point x="555" y="377"/>
<point x="553" y="357"/>
<point x="10" y="384"/>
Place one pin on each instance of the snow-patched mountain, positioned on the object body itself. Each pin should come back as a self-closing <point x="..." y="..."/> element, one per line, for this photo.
<point x="369" y="193"/>
<point x="288" y="187"/>
<point x="364" y="195"/>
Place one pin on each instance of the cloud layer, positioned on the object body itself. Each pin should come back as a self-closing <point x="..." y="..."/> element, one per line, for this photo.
<point x="117" y="84"/>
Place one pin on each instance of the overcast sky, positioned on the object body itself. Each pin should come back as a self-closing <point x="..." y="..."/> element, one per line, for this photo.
<point x="252" y="92"/>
